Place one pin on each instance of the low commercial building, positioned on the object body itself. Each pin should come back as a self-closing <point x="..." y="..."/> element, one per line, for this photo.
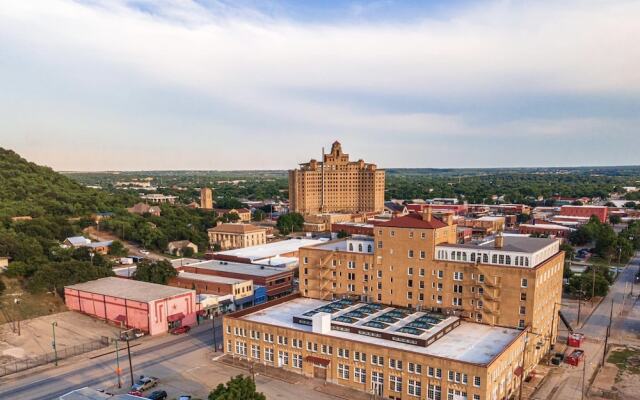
<point x="599" y="212"/>
<point x="392" y="352"/>
<point x="353" y="228"/>
<point x="81" y="241"/>
<point x="233" y="236"/>
<point x="149" y="307"/>
<point x="546" y="230"/>
<point x="277" y="281"/>
<point x="241" y="289"/>
<point x="271" y="254"/>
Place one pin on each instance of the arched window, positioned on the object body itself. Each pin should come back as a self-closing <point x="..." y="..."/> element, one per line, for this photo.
<point x="494" y="258"/>
<point x="473" y="257"/>
<point x="360" y="247"/>
<point x="508" y="260"/>
<point x="485" y="258"/>
<point x="350" y="246"/>
<point x="453" y="255"/>
<point x="464" y="256"/>
<point x="526" y="261"/>
<point x="369" y="248"/>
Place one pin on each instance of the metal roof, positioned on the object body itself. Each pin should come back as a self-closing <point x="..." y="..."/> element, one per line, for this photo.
<point x="129" y="289"/>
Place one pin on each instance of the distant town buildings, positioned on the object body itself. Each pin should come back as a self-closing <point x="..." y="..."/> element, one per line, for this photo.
<point x="177" y="247"/>
<point x="233" y="236"/>
<point x="143" y="208"/>
<point x="159" y="198"/>
<point x="336" y="184"/>
<point x="244" y="214"/>
<point x="601" y="212"/>
<point x="206" y="198"/>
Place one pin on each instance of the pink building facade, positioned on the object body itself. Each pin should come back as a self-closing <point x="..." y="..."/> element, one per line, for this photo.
<point x="149" y="307"/>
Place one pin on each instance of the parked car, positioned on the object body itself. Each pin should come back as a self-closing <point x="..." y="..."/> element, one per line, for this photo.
<point x="144" y="251"/>
<point x="135" y="393"/>
<point x="158" y="395"/>
<point x="131" y="334"/>
<point x="184" y="397"/>
<point x="180" y="330"/>
<point x="144" y="383"/>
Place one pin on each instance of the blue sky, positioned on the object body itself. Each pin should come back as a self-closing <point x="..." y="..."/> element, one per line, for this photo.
<point x="248" y="84"/>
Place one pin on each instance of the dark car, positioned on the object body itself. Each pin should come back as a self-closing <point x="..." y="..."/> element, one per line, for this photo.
<point x="158" y="395"/>
<point x="180" y="330"/>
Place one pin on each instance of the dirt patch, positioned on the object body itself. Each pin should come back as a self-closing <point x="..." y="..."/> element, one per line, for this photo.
<point x="619" y="379"/>
<point x="36" y="335"/>
<point x="29" y="306"/>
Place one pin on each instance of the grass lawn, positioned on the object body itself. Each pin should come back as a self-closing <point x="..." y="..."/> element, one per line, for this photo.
<point x="626" y="359"/>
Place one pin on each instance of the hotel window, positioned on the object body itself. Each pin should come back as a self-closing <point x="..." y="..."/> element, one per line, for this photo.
<point x="395" y="364"/>
<point x="476" y="381"/>
<point x="458" y="276"/>
<point x="440" y="274"/>
<point x="421" y="273"/>
<point x="379" y="244"/>
<point x="434" y="392"/>
<point x="410" y="271"/>
<point x="501" y="258"/>
<point x="255" y="351"/>
<point x="523" y="296"/>
<point x="508" y="260"/>
<point x="422" y="254"/>
<point x="343" y="371"/>
<point x="283" y="340"/>
<point x="521" y="324"/>
<point x="379" y="273"/>
<point x="526" y="261"/>
<point x="377" y="360"/>
<point x="481" y="278"/>
<point x="473" y="257"/>
<point x="410" y="255"/>
<point x="283" y="358"/>
<point x="241" y="348"/>
<point x="392" y="233"/>
<point x="421" y="284"/>
<point x="305" y="260"/>
<point x="414" y="388"/>
<point x="229" y="329"/>
<point x="476" y="397"/>
<point x="360" y="375"/>
<point x="414" y="368"/>
<point x="343" y="353"/>
<point x="358" y="356"/>
<point x="297" y="361"/>
<point x="395" y="383"/>
<point x="327" y="349"/>
<point x="268" y="337"/>
<point x="524" y="283"/>
<point x="410" y="234"/>
<point x="229" y="346"/>
<point x="268" y="354"/>
<point x="485" y="258"/>
<point x="494" y="258"/>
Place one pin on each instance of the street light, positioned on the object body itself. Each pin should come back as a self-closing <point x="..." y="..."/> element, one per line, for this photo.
<point x="53" y="343"/>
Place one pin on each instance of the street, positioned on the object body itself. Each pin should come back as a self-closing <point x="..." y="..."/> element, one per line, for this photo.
<point x="566" y="382"/>
<point x="132" y="248"/>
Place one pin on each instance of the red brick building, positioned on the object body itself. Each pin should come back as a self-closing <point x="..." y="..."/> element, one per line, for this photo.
<point x="601" y="212"/>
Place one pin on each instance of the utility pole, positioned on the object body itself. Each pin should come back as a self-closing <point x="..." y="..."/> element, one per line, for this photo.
<point x="118" y="371"/>
<point x="606" y="338"/>
<point x="584" y="370"/>
<point x="53" y="344"/>
<point x="130" y="363"/>
<point x="593" y="285"/>
<point x="213" y="326"/>
<point x="579" y="303"/>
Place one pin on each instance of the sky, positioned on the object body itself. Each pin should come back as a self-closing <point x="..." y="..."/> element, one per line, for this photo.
<point x="89" y="85"/>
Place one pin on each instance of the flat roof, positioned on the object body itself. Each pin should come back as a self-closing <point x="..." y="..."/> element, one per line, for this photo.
<point x="210" y="278"/>
<point x="342" y="244"/>
<point x="518" y="244"/>
<point x="239" y="268"/>
<point x="468" y="342"/>
<point x="271" y="249"/>
<point x="129" y="289"/>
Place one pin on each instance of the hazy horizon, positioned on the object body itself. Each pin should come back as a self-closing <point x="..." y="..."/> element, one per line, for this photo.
<point x="95" y="85"/>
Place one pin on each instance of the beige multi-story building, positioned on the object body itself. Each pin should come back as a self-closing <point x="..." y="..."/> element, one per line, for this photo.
<point x="336" y="184"/>
<point x="510" y="281"/>
<point x="206" y="198"/>
<point x="233" y="236"/>
<point x="390" y="352"/>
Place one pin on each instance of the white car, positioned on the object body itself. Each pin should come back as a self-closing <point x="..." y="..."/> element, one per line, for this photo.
<point x="144" y="251"/>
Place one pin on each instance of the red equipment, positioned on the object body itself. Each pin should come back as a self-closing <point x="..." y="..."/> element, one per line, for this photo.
<point x="575" y="357"/>
<point x="575" y="340"/>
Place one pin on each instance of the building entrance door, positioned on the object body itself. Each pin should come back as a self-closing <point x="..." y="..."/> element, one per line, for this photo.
<point x="320" y="372"/>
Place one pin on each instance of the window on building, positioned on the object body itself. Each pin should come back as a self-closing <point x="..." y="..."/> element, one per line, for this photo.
<point x="423" y="254"/>
<point x="395" y="383"/>
<point x="343" y="371"/>
<point x="524" y="282"/>
<point x="521" y="324"/>
<point x="268" y="354"/>
<point x="414" y="388"/>
<point x="410" y="254"/>
<point x="434" y="392"/>
<point x="360" y="375"/>
<point x="523" y="296"/>
<point x="297" y="361"/>
<point x="255" y="351"/>
<point x="476" y="381"/>
<point x="283" y="358"/>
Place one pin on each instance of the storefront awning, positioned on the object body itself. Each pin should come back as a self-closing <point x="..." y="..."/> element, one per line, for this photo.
<point x="175" y="317"/>
<point x="317" y="360"/>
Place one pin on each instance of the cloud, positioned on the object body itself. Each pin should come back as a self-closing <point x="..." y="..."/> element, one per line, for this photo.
<point x="216" y="72"/>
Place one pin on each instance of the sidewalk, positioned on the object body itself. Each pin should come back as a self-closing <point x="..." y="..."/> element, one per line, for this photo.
<point x="293" y="378"/>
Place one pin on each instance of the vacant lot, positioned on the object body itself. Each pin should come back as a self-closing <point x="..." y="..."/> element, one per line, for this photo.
<point x="36" y="334"/>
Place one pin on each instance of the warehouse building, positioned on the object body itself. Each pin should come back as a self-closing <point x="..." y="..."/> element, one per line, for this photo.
<point x="149" y="307"/>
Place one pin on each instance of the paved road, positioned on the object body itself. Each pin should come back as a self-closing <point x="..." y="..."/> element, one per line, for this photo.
<point x="566" y="383"/>
<point x="161" y="357"/>
<point x="134" y="249"/>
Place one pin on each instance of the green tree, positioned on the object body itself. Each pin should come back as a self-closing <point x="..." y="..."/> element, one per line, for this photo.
<point x="155" y="272"/>
<point x="259" y="215"/>
<point x="230" y="217"/>
<point x="291" y="222"/>
<point x="117" y="249"/>
<point x="342" y="234"/>
<point x="187" y="252"/>
<point x="615" y="219"/>
<point x="237" y="388"/>
<point x="3" y="287"/>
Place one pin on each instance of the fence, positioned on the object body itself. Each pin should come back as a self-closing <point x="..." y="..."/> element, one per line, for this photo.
<point x="42" y="359"/>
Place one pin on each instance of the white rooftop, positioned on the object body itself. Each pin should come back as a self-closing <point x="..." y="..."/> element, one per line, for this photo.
<point x="469" y="342"/>
<point x="271" y="249"/>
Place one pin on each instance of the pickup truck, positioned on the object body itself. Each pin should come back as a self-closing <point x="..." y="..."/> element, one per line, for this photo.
<point x="144" y="383"/>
